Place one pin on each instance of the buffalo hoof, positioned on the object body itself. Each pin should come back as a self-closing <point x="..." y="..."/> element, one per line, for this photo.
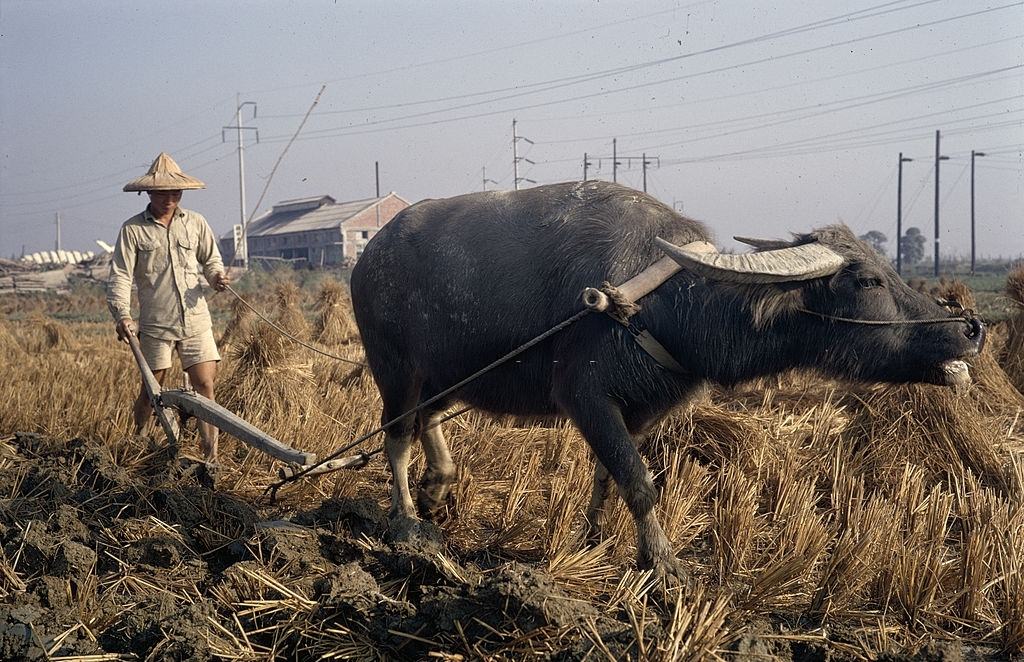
<point x="433" y="496"/>
<point x="668" y="568"/>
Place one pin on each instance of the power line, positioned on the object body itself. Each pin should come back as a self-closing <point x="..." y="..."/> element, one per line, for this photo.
<point x="849" y="106"/>
<point x="882" y="96"/>
<point x="95" y="180"/>
<point x="367" y="127"/>
<point x="45" y="206"/>
<point x="815" y="142"/>
<point x="875" y="97"/>
<point x="752" y="93"/>
<point x="557" y="83"/>
<point x="476" y="54"/>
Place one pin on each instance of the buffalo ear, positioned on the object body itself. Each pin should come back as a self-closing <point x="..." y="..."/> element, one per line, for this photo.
<point x="769" y="303"/>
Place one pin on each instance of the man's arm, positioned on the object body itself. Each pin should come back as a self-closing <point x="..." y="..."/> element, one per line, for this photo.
<point x="119" y="285"/>
<point x="208" y="255"/>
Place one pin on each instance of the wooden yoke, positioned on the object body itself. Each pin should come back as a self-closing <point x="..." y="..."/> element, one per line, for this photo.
<point x="646" y="281"/>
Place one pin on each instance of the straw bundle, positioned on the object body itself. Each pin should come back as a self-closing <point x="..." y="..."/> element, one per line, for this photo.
<point x="241" y="315"/>
<point x="1015" y="285"/>
<point x="268" y="371"/>
<point x="42" y="334"/>
<point x="8" y="343"/>
<point x="995" y="392"/>
<point x="955" y="290"/>
<point x="334" y="324"/>
<point x="928" y="427"/>
<point x="715" y="435"/>
<point x="1012" y="353"/>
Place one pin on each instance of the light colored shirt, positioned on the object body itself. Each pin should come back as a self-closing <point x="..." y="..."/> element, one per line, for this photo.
<point x="164" y="263"/>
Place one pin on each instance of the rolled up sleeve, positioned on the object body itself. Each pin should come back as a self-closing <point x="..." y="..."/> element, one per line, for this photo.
<point x="122" y="268"/>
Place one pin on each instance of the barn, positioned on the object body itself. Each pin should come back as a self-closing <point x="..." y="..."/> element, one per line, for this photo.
<point x="319" y="231"/>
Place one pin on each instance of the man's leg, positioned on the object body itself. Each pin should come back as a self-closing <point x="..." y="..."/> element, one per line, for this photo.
<point x="203" y="376"/>
<point x="143" y="409"/>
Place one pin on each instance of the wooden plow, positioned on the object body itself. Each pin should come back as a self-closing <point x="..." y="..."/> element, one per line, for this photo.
<point x="169" y="405"/>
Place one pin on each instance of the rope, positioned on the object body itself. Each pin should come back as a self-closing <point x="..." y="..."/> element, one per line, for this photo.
<point x="426" y="403"/>
<point x="621" y="308"/>
<point x="287" y="335"/>
<point x="849" y="320"/>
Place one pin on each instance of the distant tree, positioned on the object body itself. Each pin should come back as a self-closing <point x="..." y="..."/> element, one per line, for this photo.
<point x="912" y="246"/>
<point x="876" y="240"/>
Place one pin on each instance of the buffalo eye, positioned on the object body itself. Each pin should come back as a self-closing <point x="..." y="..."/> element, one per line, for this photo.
<point x="869" y="282"/>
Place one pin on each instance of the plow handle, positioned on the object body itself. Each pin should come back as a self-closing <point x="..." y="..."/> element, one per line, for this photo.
<point x="153" y="389"/>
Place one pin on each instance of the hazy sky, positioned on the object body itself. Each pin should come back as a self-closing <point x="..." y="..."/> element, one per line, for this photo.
<point x="759" y="118"/>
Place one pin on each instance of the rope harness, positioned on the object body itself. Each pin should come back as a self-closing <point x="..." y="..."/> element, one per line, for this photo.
<point x="967" y="316"/>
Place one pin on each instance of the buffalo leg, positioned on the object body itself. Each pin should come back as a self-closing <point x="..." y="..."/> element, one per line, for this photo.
<point x="439" y="473"/>
<point x="399" y="395"/>
<point x="604" y="429"/>
<point x="398" y="445"/>
<point x="599" y="495"/>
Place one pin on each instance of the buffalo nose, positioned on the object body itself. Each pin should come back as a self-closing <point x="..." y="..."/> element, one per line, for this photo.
<point x="976" y="332"/>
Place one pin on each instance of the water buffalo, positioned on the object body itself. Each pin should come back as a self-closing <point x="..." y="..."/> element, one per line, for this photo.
<point x="450" y="285"/>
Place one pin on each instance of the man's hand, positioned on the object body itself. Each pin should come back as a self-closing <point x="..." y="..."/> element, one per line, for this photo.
<point x="221" y="281"/>
<point x="125" y="328"/>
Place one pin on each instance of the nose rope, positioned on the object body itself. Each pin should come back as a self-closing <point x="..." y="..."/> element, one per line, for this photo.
<point x="967" y="318"/>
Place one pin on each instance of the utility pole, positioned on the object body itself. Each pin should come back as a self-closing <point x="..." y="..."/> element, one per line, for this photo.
<point x="483" y="173"/>
<point x="241" y="170"/>
<point x="973" y="154"/>
<point x="938" y="158"/>
<point x="57" y="219"/>
<point x="899" y="215"/>
<point x="516" y="158"/>
<point x="615" y="160"/>
<point x="625" y="160"/>
<point x="376" y="178"/>
<point x="644" y="162"/>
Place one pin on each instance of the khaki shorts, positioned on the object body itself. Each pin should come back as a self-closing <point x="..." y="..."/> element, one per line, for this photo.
<point x="192" y="350"/>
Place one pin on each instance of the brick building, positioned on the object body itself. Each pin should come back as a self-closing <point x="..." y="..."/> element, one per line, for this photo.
<point x="320" y="230"/>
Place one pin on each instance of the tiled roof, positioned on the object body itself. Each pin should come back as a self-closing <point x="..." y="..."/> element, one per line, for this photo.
<point x="305" y="214"/>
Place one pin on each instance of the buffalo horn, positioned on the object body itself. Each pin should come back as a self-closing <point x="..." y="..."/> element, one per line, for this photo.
<point x="802" y="262"/>
<point x="763" y="244"/>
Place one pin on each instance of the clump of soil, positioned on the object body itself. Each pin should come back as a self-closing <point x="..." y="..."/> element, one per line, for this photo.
<point x="148" y="560"/>
<point x="106" y="557"/>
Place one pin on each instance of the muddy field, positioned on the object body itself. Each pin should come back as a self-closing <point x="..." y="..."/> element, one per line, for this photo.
<point x="818" y="520"/>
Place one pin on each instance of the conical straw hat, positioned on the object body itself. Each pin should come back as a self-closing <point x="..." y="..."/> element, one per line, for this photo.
<point x="164" y="175"/>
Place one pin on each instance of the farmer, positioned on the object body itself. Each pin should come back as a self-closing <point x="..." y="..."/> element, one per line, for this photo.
<point x="162" y="251"/>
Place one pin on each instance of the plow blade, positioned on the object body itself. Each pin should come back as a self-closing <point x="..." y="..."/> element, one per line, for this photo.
<point x="209" y="411"/>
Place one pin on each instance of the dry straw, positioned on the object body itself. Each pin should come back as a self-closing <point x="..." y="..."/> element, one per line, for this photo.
<point x="42" y="334"/>
<point x="928" y="427"/>
<point x="269" y="373"/>
<point x="886" y="518"/>
<point x="994" y="390"/>
<point x="9" y="345"/>
<point x="334" y="324"/>
<point x="1012" y="353"/>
